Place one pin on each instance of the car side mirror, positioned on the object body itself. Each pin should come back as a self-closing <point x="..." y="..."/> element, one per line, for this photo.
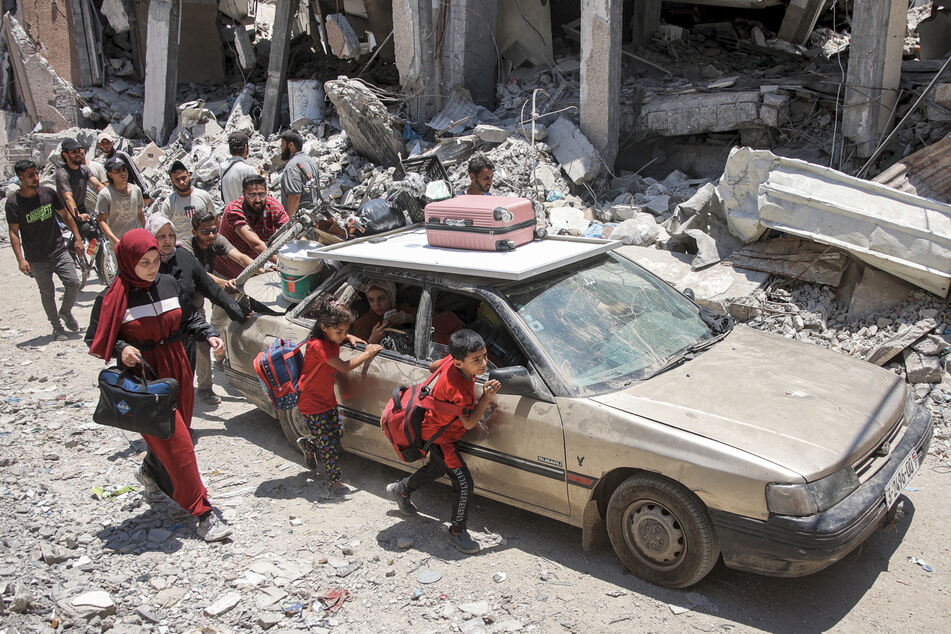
<point x="517" y="381"/>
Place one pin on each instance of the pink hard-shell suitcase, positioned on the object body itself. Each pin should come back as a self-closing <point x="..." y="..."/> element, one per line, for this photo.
<point x="482" y="223"/>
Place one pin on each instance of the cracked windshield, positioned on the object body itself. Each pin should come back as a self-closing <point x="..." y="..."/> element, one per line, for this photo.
<point x="607" y="324"/>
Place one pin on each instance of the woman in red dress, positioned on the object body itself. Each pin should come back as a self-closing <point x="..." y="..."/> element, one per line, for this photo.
<point x="139" y="317"/>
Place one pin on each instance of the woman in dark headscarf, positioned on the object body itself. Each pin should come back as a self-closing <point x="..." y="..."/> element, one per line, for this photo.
<point x="194" y="286"/>
<point x="139" y="317"/>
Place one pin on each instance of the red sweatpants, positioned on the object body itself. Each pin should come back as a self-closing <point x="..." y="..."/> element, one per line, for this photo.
<point x="177" y="469"/>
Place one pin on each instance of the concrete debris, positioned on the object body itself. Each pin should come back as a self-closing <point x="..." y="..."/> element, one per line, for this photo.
<point x="115" y="13"/>
<point x="921" y="368"/>
<point x="876" y="292"/>
<point x="905" y="235"/>
<point x="491" y="133"/>
<point x="923" y="173"/>
<point x="574" y="152"/>
<point x="715" y="287"/>
<point x="305" y="98"/>
<point x="903" y="338"/>
<point x="50" y="101"/>
<point x="793" y="258"/>
<point x="340" y="35"/>
<point x="676" y="115"/>
<point x="568" y="219"/>
<point x="459" y="114"/>
<point x="374" y="132"/>
<point x="247" y="56"/>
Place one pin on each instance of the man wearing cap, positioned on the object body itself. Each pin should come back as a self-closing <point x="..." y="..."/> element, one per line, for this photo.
<point x="234" y="170"/>
<point x="106" y="144"/>
<point x="120" y="205"/>
<point x="72" y="181"/>
<point x="298" y="173"/>
<point x="182" y="203"/>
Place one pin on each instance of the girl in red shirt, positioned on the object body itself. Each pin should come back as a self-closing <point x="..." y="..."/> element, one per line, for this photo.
<point x="317" y="402"/>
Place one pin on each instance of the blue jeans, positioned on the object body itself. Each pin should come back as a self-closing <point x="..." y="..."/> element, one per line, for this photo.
<point x="64" y="268"/>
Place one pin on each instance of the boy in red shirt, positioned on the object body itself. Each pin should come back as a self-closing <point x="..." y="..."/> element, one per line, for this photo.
<point x="455" y="384"/>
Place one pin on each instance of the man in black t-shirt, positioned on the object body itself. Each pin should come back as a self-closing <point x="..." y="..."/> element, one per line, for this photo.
<point x="33" y="228"/>
<point x="72" y="180"/>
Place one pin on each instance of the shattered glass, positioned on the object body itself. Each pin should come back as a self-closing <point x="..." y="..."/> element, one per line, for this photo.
<point x="608" y="323"/>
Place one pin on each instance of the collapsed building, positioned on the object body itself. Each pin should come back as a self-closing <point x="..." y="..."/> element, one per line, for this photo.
<point x="620" y="118"/>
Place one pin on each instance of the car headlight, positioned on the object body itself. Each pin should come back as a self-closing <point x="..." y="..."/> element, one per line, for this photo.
<point x="808" y="499"/>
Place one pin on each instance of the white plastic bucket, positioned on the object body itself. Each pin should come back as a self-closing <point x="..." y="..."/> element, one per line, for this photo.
<point x="297" y="269"/>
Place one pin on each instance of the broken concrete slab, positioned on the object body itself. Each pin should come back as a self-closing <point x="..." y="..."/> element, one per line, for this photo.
<point x="247" y="57"/>
<point x="49" y="100"/>
<point x="905" y="235"/>
<point x="699" y="113"/>
<point x="923" y="173"/>
<point x="116" y="14"/>
<point x="904" y="338"/>
<point x="792" y="258"/>
<point x="574" y="152"/>
<point x="569" y="219"/>
<point x="374" y="132"/>
<point x="920" y="368"/>
<point x="491" y="133"/>
<point x="305" y="99"/>
<point x="877" y="291"/>
<point x="714" y="287"/>
<point x="343" y="40"/>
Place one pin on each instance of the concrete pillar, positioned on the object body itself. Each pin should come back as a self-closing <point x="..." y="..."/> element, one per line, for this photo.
<point x="469" y="56"/>
<point x="412" y="40"/>
<point x="161" y="68"/>
<point x="800" y="20"/>
<point x="878" y="31"/>
<point x="601" y="74"/>
<point x="645" y="21"/>
<point x="277" y="65"/>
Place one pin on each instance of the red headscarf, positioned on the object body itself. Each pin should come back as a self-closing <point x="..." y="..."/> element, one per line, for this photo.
<point x="133" y="245"/>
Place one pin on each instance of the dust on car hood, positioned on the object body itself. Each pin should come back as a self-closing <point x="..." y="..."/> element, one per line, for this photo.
<point x="807" y="409"/>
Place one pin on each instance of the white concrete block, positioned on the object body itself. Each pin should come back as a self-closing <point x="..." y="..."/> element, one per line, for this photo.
<point x="573" y="150"/>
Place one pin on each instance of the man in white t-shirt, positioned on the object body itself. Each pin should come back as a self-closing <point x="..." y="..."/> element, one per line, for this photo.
<point x="119" y="207"/>
<point x="182" y="203"/>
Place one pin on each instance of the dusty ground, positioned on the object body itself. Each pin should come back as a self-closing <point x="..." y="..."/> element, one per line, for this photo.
<point x="291" y="546"/>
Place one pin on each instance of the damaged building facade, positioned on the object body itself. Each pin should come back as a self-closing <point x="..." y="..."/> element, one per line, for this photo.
<point x="728" y="143"/>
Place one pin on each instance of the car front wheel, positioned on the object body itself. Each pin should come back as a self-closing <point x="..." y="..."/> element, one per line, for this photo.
<point x="661" y="531"/>
<point x="293" y="425"/>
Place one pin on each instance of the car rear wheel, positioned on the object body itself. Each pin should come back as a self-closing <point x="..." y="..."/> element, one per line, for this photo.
<point x="293" y="425"/>
<point x="661" y="531"/>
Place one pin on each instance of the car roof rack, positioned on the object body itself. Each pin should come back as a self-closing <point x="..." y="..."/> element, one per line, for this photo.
<point x="407" y="247"/>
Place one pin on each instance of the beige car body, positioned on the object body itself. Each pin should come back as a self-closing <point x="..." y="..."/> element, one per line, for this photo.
<point x="752" y="409"/>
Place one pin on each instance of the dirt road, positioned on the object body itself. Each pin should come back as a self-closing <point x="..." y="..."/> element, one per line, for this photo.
<point x="60" y="543"/>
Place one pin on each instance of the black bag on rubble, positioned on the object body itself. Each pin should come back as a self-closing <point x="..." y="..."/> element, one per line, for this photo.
<point x="378" y="215"/>
<point x="136" y="404"/>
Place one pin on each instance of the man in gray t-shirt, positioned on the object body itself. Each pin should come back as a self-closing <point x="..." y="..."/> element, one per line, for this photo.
<point x="182" y="203"/>
<point x="233" y="171"/>
<point x="299" y="171"/>
<point x="119" y="207"/>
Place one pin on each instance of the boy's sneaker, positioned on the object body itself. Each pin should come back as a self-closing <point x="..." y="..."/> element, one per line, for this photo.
<point x="69" y="321"/>
<point x="309" y="458"/>
<point x="463" y="542"/>
<point x="211" y="528"/>
<point x="150" y="487"/>
<point x="59" y="334"/>
<point x="403" y="502"/>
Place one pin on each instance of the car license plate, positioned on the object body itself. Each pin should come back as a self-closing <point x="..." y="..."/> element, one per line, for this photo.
<point x="905" y="471"/>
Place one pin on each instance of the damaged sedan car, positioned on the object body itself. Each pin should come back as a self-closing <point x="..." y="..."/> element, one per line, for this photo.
<point x="625" y="408"/>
